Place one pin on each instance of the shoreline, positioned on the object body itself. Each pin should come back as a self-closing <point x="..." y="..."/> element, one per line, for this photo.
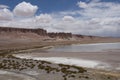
<point x="94" y="60"/>
<point x="47" y="70"/>
<point x="108" y="60"/>
<point x="66" y="61"/>
<point x="56" y="71"/>
<point x="98" y="74"/>
<point x="8" y="44"/>
<point x="43" y="46"/>
<point x="54" y="54"/>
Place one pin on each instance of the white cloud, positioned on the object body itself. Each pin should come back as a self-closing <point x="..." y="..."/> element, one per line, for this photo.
<point x="5" y="14"/>
<point x="25" y="9"/>
<point x="95" y="0"/>
<point x="96" y="18"/>
<point x="82" y="4"/>
<point x="101" y="10"/>
<point x="41" y="21"/>
<point x="44" y="18"/>
<point x="3" y="6"/>
<point x="68" y="19"/>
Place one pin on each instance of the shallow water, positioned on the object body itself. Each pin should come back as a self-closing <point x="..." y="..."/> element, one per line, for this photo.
<point x="97" y="47"/>
<point x="99" y="55"/>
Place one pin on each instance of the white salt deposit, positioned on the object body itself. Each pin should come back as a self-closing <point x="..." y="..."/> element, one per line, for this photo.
<point x="70" y="61"/>
<point x="4" y="72"/>
<point x="32" y="72"/>
<point x="65" y="60"/>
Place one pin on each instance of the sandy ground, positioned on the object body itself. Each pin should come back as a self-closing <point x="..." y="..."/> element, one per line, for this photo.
<point x="30" y="43"/>
<point x="7" y="75"/>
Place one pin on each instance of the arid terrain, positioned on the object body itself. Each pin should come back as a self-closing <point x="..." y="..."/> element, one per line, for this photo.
<point x="18" y="40"/>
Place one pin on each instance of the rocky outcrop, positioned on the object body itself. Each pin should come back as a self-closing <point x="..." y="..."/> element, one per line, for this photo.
<point x="41" y="32"/>
<point x="78" y="36"/>
<point x="61" y="35"/>
<point x="37" y="33"/>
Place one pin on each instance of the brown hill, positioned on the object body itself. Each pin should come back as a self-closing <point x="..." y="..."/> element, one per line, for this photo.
<point x="23" y="33"/>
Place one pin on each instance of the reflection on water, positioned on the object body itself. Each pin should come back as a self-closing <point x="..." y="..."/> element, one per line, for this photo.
<point x="97" y="47"/>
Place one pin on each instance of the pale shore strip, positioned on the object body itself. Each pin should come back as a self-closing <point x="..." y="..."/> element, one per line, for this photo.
<point x="9" y="75"/>
<point x="63" y="60"/>
<point x="101" y="60"/>
<point x="69" y="61"/>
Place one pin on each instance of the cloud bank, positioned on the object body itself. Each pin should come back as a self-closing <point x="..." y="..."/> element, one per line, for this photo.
<point x="5" y="14"/>
<point x="25" y="9"/>
<point x="92" y="18"/>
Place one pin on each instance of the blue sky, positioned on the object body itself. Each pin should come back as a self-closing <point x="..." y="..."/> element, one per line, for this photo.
<point x="48" y="6"/>
<point x="45" y="6"/>
<point x="88" y="17"/>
